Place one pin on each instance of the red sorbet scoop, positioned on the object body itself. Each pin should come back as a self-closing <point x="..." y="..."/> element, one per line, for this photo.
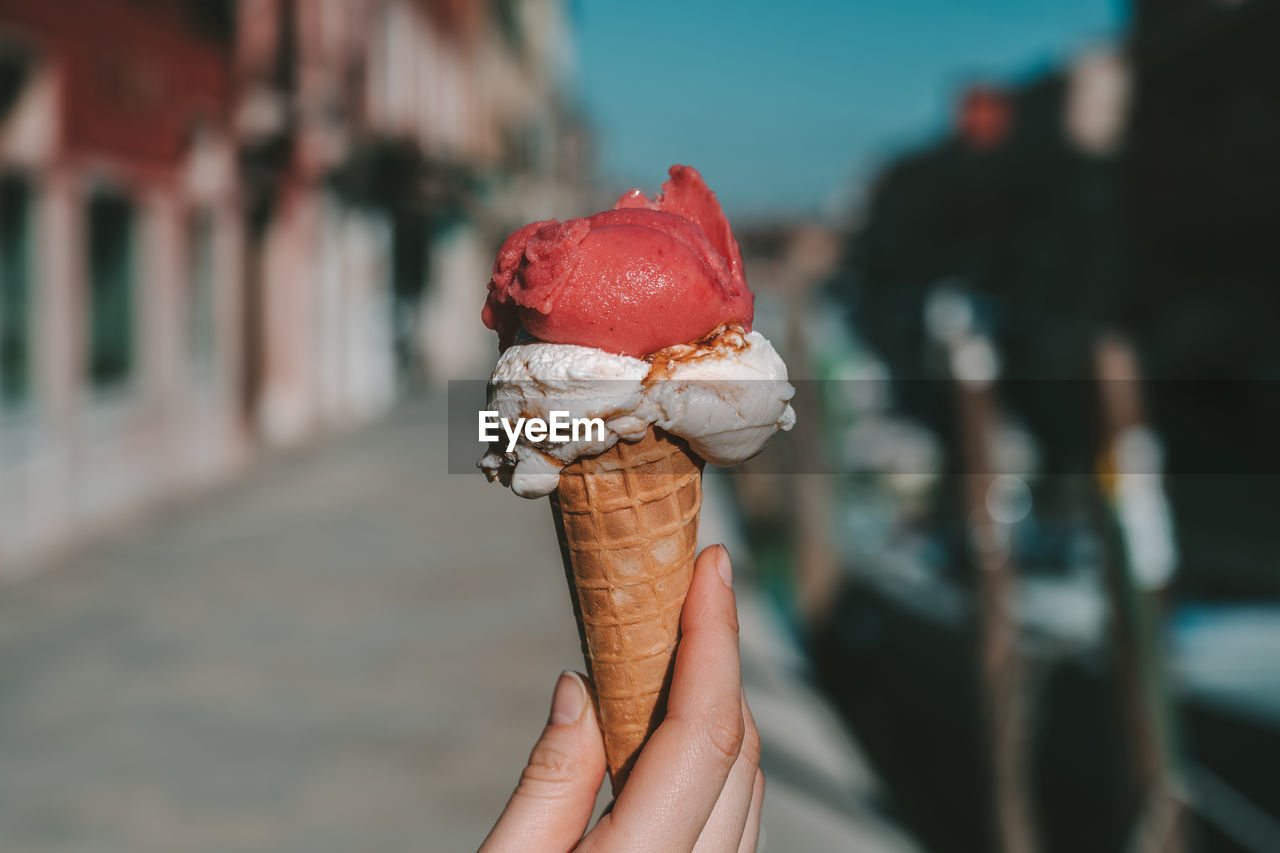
<point x="644" y="276"/>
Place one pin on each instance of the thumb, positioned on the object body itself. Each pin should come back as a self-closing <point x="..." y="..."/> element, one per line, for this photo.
<point x="553" y="802"/>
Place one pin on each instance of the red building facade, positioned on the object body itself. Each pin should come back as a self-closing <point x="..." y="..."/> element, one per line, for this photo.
<point x="225" y="225"/>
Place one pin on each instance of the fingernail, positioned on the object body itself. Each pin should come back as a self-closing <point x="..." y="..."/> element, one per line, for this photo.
<point x="569" y="700"/>
<point x="723" y="566"/>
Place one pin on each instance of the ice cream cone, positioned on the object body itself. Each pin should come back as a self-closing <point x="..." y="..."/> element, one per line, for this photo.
<point x="627" y="520"/>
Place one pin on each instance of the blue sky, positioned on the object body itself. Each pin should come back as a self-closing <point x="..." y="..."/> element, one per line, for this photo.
<point x="783" y="106"/>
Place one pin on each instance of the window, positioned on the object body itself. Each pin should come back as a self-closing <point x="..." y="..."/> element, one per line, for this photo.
<point x="15" y="290"/>
<point x="201" y="344"/>
<point x="111" y="273"/>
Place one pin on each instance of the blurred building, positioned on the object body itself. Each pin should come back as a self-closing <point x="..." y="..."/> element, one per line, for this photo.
<point x="224" y="224"/>
<point x="1132" y="190"/>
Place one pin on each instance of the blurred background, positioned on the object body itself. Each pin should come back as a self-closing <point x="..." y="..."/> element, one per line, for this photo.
<point x="1009" y="585"/>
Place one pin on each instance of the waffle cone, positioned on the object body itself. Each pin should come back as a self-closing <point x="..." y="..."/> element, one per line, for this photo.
<point x="628" y="526"/>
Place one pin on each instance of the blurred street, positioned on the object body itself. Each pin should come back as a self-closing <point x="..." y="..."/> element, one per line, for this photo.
<point x="332" y="655"/>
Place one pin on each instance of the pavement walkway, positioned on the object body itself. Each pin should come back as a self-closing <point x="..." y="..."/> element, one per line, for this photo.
<point x="330" y="655"/>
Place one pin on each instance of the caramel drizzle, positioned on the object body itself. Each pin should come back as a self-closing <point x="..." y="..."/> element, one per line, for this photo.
<point x="729" y="337"/>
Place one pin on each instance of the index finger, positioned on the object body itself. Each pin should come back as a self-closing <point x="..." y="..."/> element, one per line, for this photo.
<point x="682" y="769"/>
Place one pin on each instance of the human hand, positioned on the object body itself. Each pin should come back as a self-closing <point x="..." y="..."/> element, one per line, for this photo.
<point x="696" y="785"/>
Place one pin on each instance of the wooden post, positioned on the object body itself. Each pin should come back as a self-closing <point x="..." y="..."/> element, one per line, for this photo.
<point x="974" y="367"/>
<point x="1135" y="611"/>
<point x="810" y="256"/>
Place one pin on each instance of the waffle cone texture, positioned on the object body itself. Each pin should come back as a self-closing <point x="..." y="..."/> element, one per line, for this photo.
<point x="627" y="520"/>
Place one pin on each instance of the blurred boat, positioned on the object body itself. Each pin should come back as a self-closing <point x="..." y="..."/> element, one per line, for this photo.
<point x="898" y="658"/>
